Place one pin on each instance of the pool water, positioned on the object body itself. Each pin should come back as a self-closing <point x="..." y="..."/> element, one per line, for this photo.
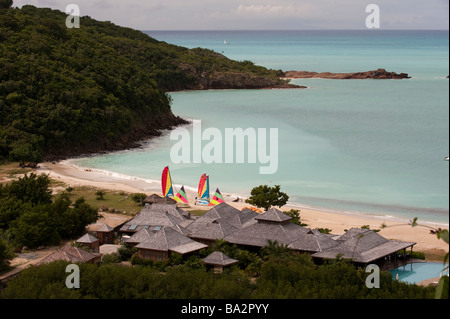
<point x="416" y="272"/>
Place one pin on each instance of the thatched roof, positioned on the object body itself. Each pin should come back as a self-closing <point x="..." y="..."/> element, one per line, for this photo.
<point x="363" y="246"/>
<point x="87" y="239"/>
<point x="219" y="259"/>
<point x="169" y="239"/>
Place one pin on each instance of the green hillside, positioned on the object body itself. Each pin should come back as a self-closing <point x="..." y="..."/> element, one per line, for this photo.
<point x="100" y="87"/>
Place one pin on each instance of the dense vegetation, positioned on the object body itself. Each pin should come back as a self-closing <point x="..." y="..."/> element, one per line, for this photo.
<point x="99" y="87"/>
<point x="281" y="274"/>
<point x="30" y="216"/>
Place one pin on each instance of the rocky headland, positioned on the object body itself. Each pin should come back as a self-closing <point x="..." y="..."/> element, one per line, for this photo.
<point x="379" y="74"/>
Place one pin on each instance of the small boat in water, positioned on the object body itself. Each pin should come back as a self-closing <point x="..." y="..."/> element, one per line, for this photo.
<point x="446" y="159"/>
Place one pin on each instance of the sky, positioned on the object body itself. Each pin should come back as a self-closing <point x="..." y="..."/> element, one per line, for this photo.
<point x="258" y="14"/>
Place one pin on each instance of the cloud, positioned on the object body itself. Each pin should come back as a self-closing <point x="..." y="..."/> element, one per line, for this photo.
<point x="274" y="10"/>
<point x="257" y="14"/>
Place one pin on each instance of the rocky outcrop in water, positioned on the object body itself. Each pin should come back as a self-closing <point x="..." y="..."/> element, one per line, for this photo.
<point x="380" y="74"/>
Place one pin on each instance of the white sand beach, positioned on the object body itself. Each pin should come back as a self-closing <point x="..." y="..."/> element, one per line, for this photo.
<point x="337" y="221"/>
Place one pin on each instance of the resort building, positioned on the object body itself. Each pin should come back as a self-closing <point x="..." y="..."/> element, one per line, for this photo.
<point x="71" y="254"/>
<point x="159" y="245"/>
<point x="105" y="234"/>
<point x="364" y="246"/>
<point x="155" y="217"/>
<point x="90" y="242"/>
<point x="160" y="229"/>
<point x="219" y="260"/>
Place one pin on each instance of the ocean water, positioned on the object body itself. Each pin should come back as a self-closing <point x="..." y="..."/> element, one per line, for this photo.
<point x="365" y="146"/>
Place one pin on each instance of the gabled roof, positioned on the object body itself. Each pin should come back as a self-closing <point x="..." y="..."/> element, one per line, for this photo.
<point x="169" y="239"/>
<point x="219" y="259"/>
<point x="87" y="239"/>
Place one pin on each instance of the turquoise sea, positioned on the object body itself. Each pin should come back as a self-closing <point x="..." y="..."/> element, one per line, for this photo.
<point x="364" y="146"/>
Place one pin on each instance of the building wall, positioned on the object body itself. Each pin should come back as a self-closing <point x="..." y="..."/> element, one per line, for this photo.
<point x="153" y="255"/>
<point x="106" y="237"/>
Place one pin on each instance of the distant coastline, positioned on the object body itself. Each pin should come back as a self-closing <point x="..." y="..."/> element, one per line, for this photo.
<point x="379" y="74"/>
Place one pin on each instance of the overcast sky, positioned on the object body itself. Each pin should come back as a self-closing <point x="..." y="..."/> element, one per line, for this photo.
<point x="257" y="14"/>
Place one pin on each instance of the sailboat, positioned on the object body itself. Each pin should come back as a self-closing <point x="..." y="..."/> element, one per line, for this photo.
<point x="181" y="197"/>
<point x="217" y="198"/>
<point x="168" y="188"/>
<point x="166" y="183"/>
<point x="203" y="191"/>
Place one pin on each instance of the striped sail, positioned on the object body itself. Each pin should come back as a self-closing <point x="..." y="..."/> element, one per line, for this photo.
<point x="166" y="183"/>
<point x="181" y="197"/>
<point x="203" y="190"/>
<point x="217" y="199"/>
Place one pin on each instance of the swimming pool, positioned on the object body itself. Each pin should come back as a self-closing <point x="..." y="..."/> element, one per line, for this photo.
<point x="416" y="272"/>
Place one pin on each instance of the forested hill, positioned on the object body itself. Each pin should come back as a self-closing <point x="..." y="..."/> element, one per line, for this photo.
<point x="100" y="87"/>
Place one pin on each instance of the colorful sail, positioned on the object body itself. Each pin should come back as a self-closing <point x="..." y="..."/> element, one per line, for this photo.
<point x="217" y="199"/>
<point x="166" y="183"/>
<point x="203" y="190"/>
<point x="203" y="187"/>
<point x="181" y="197"/>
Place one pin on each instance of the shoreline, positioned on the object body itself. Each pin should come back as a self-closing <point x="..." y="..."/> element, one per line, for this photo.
<point x="314" y="217"/>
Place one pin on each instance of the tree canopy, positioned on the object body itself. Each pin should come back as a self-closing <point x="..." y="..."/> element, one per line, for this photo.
<point x="6" y="4"/>
<point x="99" y="87"/>
<point x="30" y="216"/>
<point x="264" y="196"/>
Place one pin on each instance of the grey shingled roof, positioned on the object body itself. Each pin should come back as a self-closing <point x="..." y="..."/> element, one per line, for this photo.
<point x="363" y="246"/>
<point x="160" y="215"/>
<point x="217" y="229"/>
<point x="313" y="241"/>
<point x="139" y="236"/>
<point x="156" y="199"/>
<point x="274" y="215"/>
<point x="169" y="239"/>
<point x="87" y="239"/>
<point x="71" y="254"/>
<point x="225" y="214"/>
<point x="258" y="234"/>
<point x="219" y="259"/>
<point x="105" y="228"/>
